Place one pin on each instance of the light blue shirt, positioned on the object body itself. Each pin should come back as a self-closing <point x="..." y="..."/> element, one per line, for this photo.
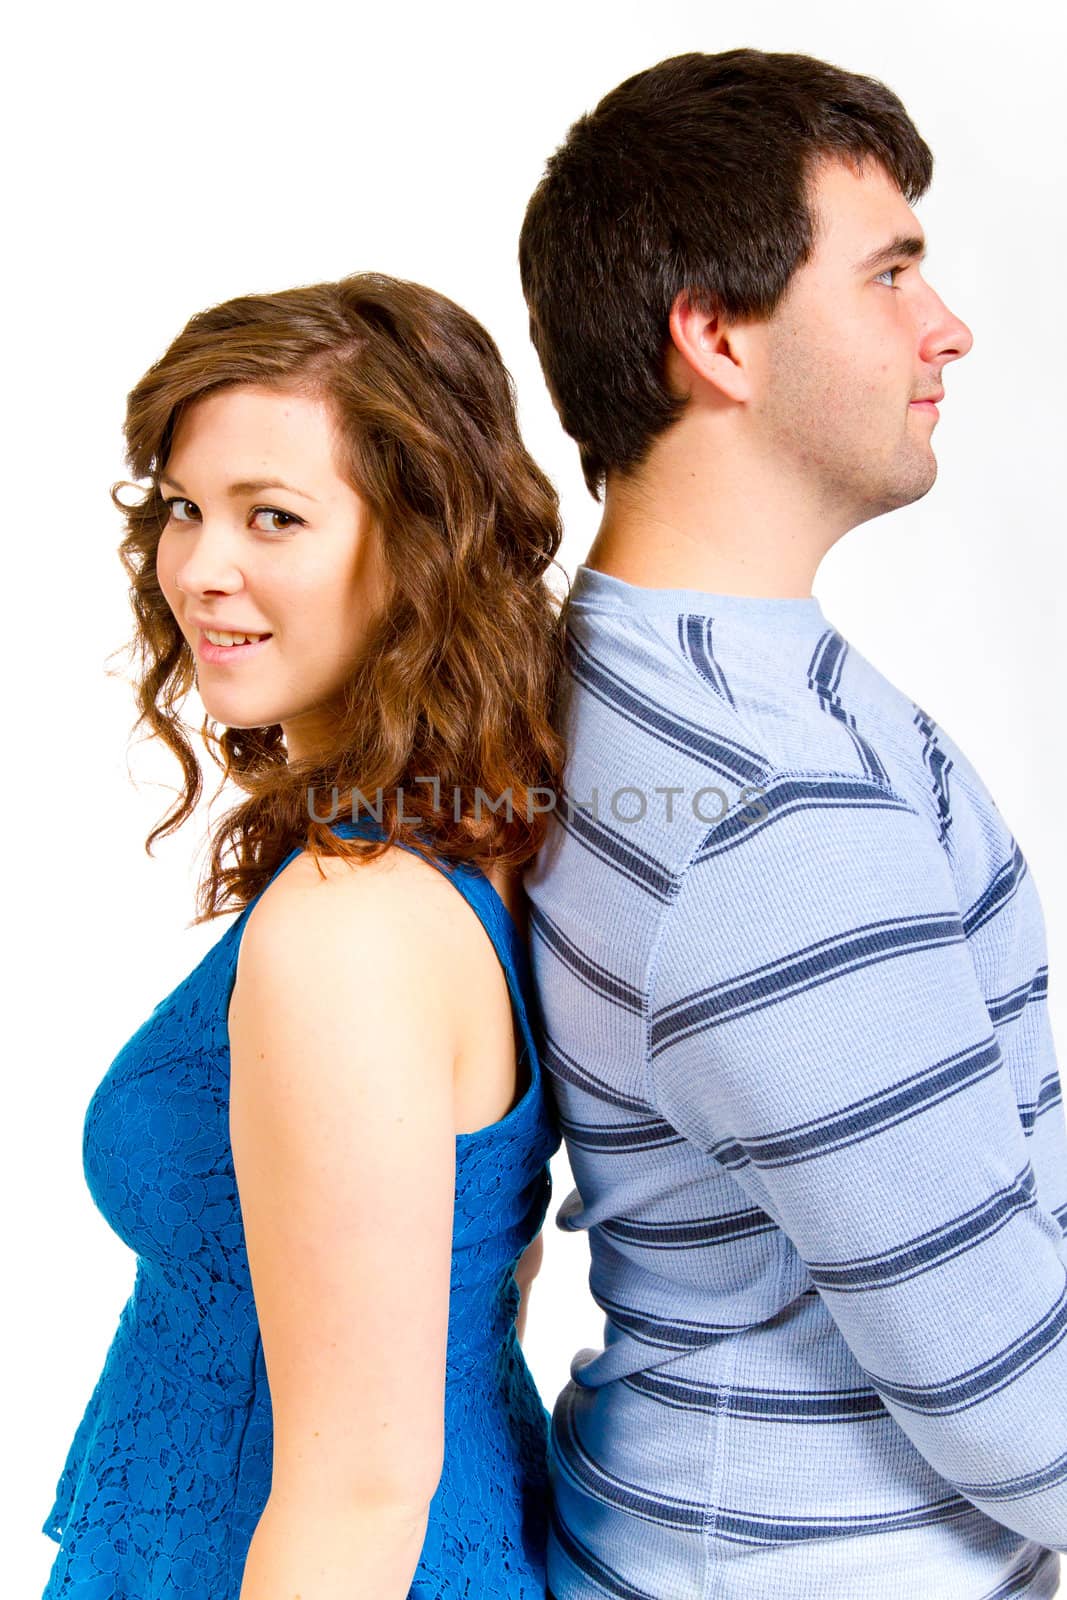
<point x="793" y="976"/>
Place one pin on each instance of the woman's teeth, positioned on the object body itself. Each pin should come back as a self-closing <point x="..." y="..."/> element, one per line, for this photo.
<point x="234" y="638"/>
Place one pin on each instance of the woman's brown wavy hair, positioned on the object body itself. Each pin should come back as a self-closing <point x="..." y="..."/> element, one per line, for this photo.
<point x="457" y="673"/>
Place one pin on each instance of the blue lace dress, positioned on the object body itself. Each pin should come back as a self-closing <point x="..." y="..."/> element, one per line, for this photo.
<point x="170" y="1467"/>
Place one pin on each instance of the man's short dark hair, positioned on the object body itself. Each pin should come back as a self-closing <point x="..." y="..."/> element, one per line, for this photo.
<point x="692" y="175"/>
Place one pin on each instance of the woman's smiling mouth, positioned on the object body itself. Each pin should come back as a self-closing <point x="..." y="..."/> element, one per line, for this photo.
<point x="209" y="648"/>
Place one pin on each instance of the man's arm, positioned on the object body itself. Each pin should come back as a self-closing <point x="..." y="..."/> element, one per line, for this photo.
<point x="816" y="1023"/>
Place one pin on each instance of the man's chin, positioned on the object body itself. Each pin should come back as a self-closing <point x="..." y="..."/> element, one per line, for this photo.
<point x="919" y="474"/>
<point x="911" y="484"/>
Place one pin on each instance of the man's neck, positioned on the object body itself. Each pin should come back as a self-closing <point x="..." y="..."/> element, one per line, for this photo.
<point x="680" y="534"/>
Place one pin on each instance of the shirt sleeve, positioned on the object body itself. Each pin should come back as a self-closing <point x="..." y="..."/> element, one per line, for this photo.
<point x="816" y="1024"/>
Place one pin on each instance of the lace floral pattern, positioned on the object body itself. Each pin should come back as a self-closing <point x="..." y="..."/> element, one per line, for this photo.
<point x="170" y="1466"/>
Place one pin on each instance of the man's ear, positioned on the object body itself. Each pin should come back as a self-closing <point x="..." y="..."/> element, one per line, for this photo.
<point x="704" y="349"/>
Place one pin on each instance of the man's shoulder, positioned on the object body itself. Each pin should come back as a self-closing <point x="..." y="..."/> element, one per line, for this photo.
<point x="636" y="697"/>
<point x="649" y="703"/>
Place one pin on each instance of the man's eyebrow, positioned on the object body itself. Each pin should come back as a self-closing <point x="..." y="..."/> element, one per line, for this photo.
<point x="247" y="486"/>
<point x="905" y="244"/>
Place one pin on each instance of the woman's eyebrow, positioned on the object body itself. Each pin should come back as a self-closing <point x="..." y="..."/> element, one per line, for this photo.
<point x="247" y="486"/>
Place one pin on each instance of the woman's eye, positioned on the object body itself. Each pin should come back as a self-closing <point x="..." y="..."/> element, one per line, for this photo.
<point x="183" y="510"/>
<point x="174" y="503"/>
<point x="285" y="519"/>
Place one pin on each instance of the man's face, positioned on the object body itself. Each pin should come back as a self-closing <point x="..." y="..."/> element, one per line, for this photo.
<point x="854" y="348"/>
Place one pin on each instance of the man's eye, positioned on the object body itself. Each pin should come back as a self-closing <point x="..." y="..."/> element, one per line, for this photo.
<point x="886" y="273"/>
<point x="287" y="520"/>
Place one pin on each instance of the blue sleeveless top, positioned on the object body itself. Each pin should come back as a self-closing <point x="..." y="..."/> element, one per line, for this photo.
<point x="170" y="1466"/>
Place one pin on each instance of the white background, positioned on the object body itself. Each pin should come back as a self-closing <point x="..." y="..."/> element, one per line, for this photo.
<point x="164" y="158"/>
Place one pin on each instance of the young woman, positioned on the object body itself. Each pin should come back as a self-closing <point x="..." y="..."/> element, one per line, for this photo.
<point x="328" y="1145"/>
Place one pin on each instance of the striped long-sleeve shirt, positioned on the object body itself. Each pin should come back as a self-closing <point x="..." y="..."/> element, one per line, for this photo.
<point x="793" y="980"/>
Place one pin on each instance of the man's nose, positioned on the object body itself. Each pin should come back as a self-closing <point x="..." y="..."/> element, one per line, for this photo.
<point x="946" y="337"/>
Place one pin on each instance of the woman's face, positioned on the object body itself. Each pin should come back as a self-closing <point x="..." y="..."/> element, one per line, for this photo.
<point x="265" y="537"/>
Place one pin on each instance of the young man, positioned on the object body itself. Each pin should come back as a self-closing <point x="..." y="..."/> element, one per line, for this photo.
<point x="791" y="961"/>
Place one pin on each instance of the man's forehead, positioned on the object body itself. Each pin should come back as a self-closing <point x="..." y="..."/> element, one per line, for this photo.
<point x="862" y="216"/>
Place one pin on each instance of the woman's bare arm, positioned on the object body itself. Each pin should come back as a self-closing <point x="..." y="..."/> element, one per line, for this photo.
<point x="343" y="1042"/>
<point x="526" y="1269"/>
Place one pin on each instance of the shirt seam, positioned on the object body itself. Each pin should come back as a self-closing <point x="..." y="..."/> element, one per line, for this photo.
<point x="705" y="687"/>
<point x="751" y="734"/>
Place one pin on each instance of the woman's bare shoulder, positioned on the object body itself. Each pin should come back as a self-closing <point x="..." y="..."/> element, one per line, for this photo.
<point x="311" y="886"/>
<point x="396" y="908"/>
